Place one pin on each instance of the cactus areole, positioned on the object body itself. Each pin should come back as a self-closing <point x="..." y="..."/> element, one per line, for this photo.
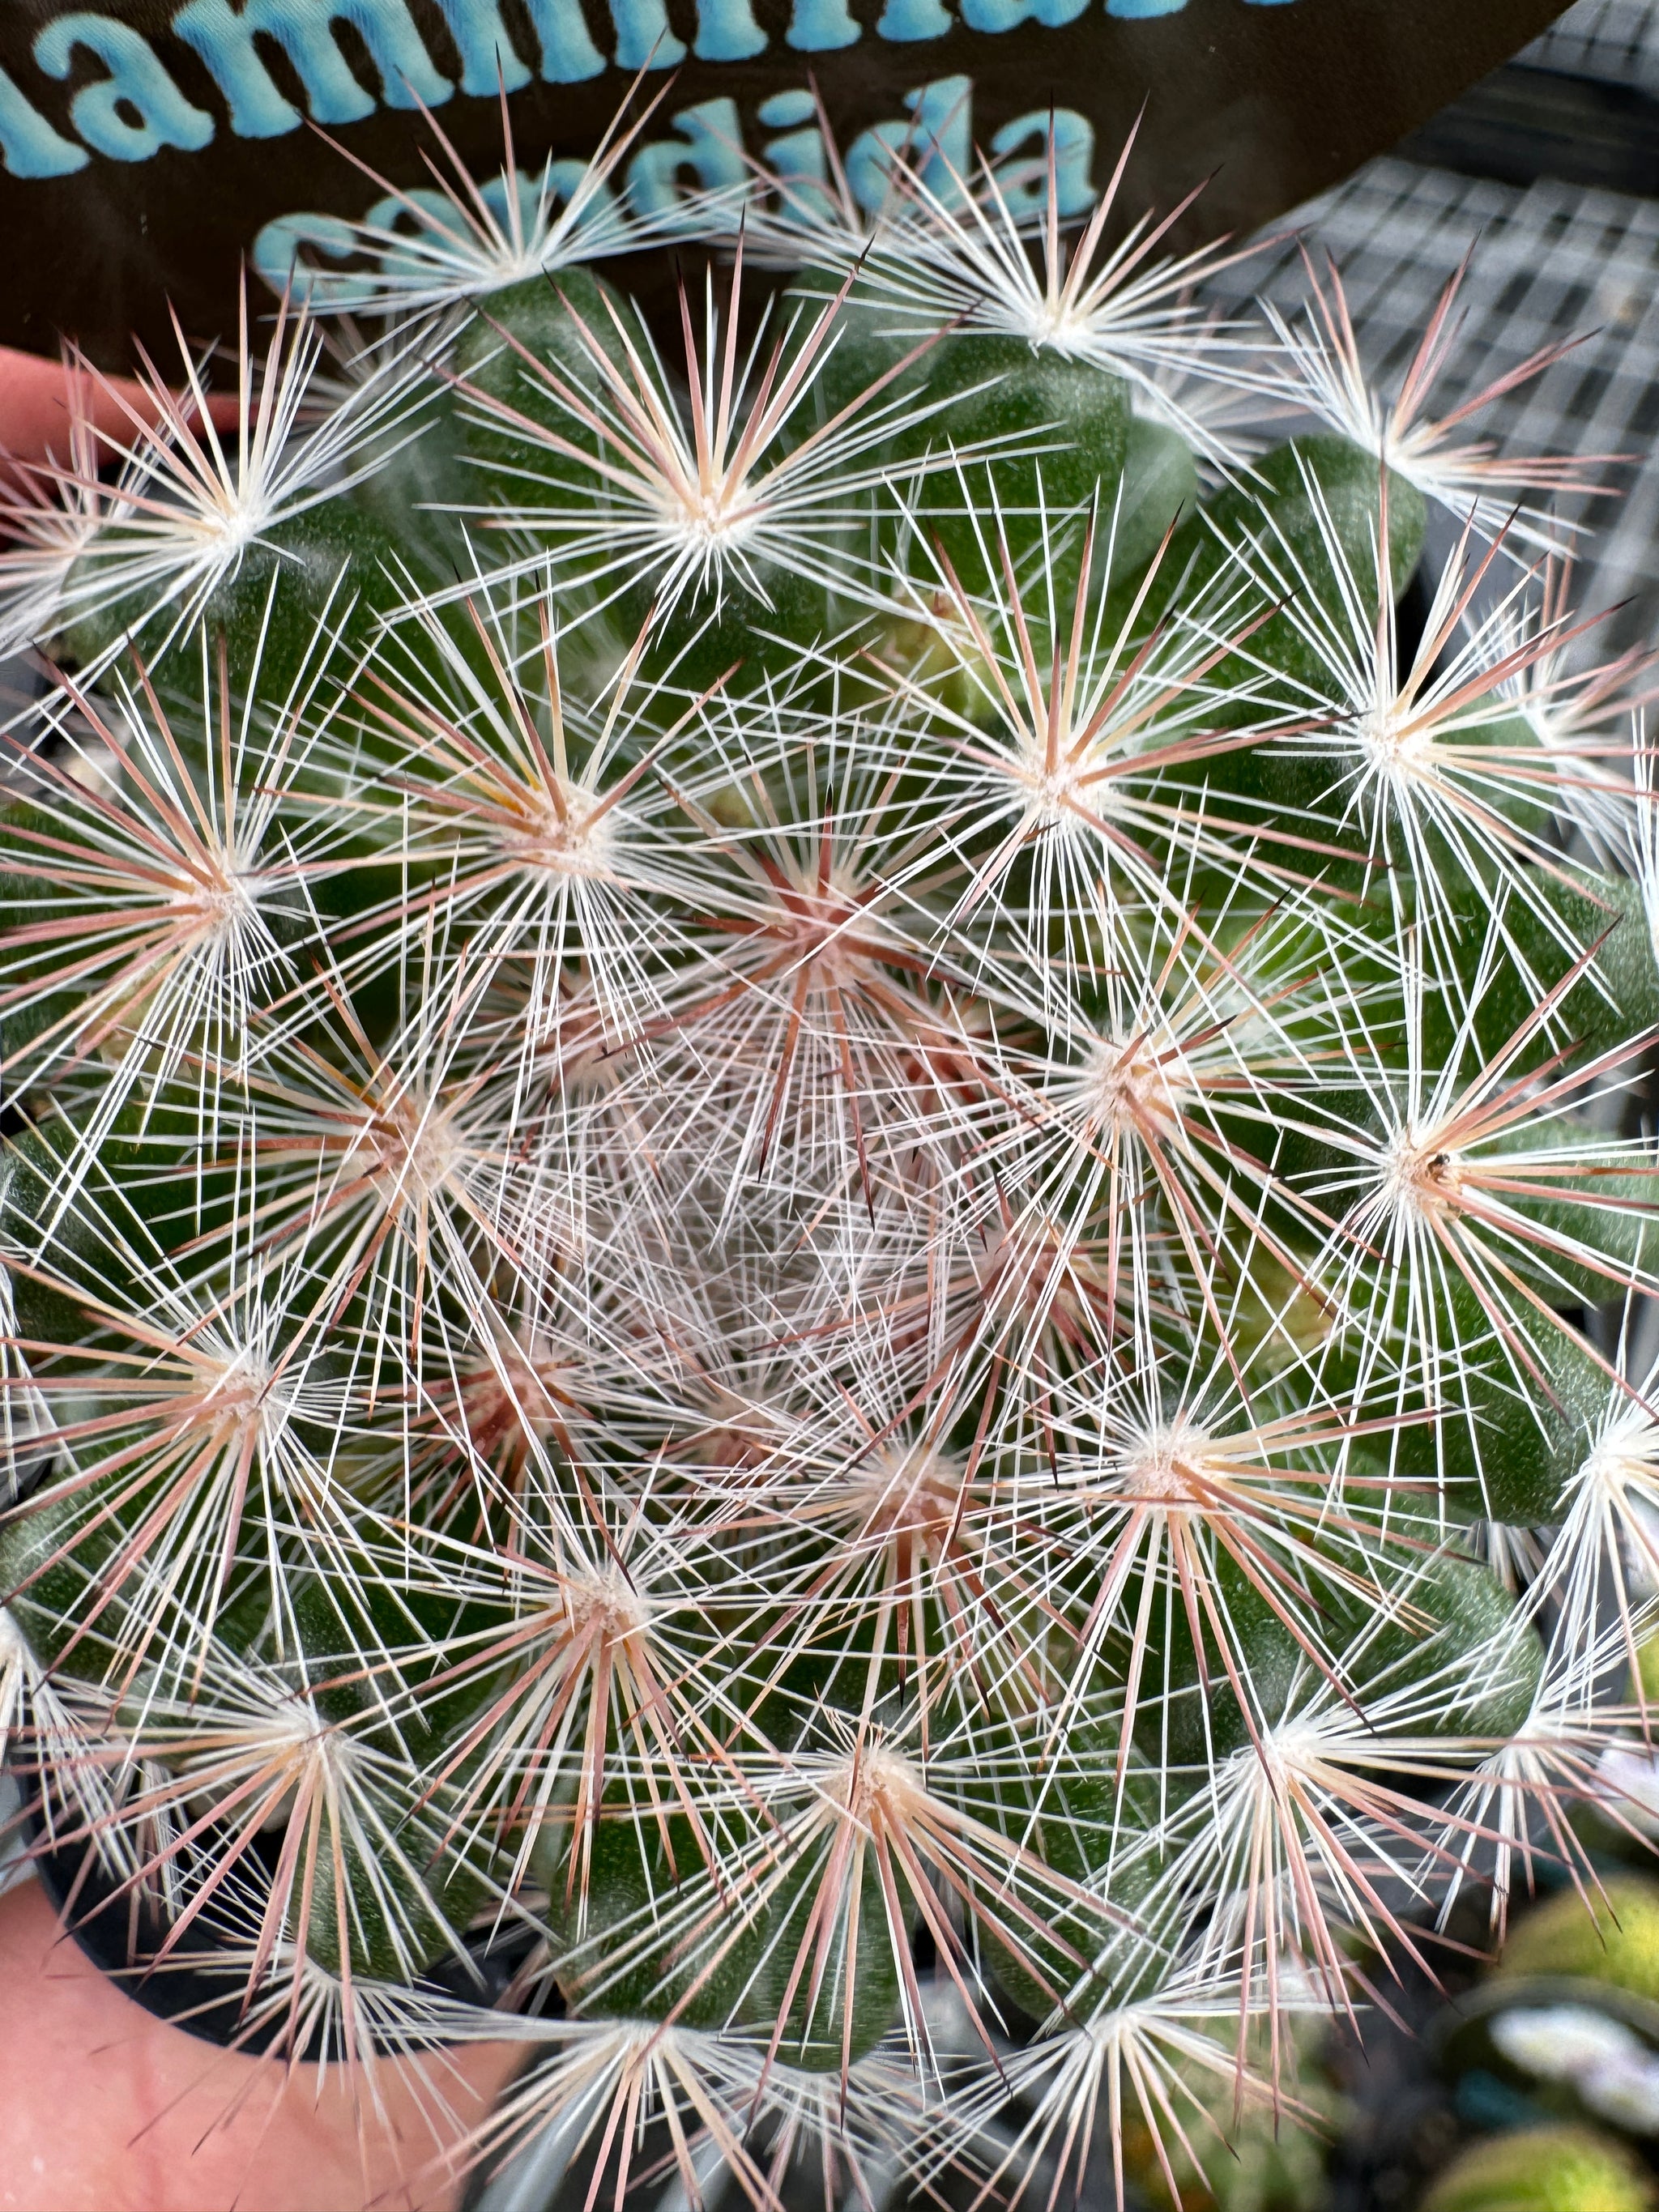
<point x="147" y="150"/>
<point x="808" y="1141"/>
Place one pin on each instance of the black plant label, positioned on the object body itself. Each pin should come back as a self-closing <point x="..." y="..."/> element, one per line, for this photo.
<point x="150" y="149"/>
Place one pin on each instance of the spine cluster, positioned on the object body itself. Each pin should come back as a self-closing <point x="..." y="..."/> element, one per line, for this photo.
<point x="826" y="1191"/>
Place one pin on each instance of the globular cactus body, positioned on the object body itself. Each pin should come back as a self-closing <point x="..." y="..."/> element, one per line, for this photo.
<point x="803" y="1175"/>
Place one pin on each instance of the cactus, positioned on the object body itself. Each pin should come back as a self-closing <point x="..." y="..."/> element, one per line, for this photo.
<point x="1558" y="2169"/>
<point x="804" y="1168"/>
<point x="1611" y="1941"/>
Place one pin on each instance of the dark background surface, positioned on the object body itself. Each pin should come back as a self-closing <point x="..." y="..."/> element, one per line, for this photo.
<point x="1276" y="101"/>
